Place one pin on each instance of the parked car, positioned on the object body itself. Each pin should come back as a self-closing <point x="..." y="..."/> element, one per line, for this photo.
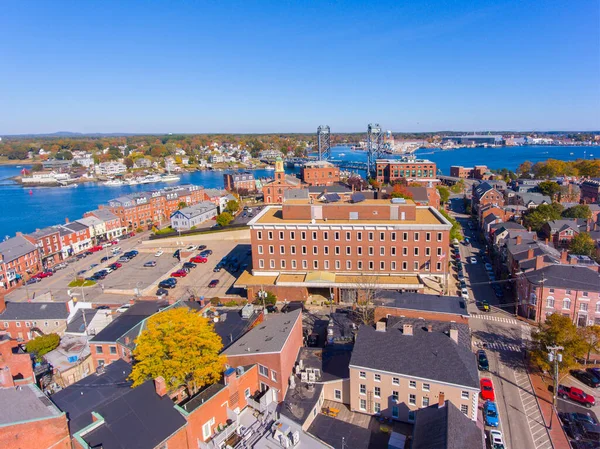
<point x="464" y="293"/>
<point x="473" y="260"/>
<point x="150" y="264"/>
<point x="179" y="273"/>
<point x="213" y="283"/>
<point x="206" y="252"/>
<point x="116" y="250"/>
<point x="198" y="259"/>
<point x="108" y="270"/>
<point x="201" y="247"/>
<point x="485" y="306"/>
<point x="124" y="259"/>
<point x="490" y="413"/>
<point x="570" y="417"/>
<point x="43" y="274"/>
<point x="158" y="253"/>
<point x="168" y="283"/>
<point x="189" y="265"/>
<point x="585" y="377"/>
<point x="124" y="308"/>
<point x="96" y="248"/>
<point x="131" y="254"/>
<point x="191" y="248"/>
<point x="162" y="292"/>
<point x="576" y="395"/>
<point x="461" y="276"/>
<point x="177" y="253"/>
<point x="115" y="265"/>
<point x="33" y="280"/>
<point x="594" y="372"/>
<point x="487" y="389"/>
<point x="104" y="259"/>
<point x="81" y="272"/>
<point x="483" y="363"/>
<point x="60" y="266"/>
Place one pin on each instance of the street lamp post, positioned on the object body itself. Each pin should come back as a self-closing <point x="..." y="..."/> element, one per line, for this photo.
<point x="262" y="294"/>
<point x="554" y="356"/>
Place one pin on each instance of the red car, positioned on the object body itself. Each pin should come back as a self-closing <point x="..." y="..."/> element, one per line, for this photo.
<point x="198" y="259"/>
<point x="115" y="265"/>
<point x="96" y="248"/>
<point x="213" y="283"/>
<point x="487" y="389"/>
<point x="179" y="274"/>
<point x="42" y="274"/>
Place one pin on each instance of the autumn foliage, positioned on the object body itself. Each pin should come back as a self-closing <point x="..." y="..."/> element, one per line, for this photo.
<point x="181" y="346"/>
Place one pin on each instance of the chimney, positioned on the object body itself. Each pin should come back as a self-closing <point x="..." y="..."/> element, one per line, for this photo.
<point x="380" y="326"/>
<point x="530" y="253"/>
<point x="2" y="304"/>
<point x="230" y="377"/>
<point x="19" y="234"/>
<point x="160" y="385"/>
<point x="454" y="335"/>
<point x="441" y="400"/>
<point x="67" y="220"/>
<point x="563" y="256"/>
<point x="539" y="262"/>
<point x="519" y="239"/>
<point x="429" y="328"/>
<point x="407" y="329"/>
<point x="6" y="379"/>
<point x="535" y="236"/>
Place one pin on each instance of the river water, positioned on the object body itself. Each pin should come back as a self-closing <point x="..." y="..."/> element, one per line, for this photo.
<point x="25" y="212"/>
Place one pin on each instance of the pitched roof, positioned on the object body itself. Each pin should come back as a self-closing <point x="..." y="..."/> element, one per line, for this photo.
<point x="15" y="247"/>
<point x="138" y="419"/>
<point x="195" y="210"/>
<point x="445" y="428"/>
<point x="82" y="398"/>
<point x="428" y="355"/>
<point x="25" y="403"/>
<point x="267" y="337"/>
<point x="128" y="320"/>
<point x="35" y="311"/>
<point x="566" y="277"/>
<point x="567" y="223"/>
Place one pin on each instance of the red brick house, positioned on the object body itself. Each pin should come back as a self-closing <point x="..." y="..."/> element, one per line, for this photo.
<point x="320" y="173"/>
<point x="561" y="232"/>
<point x="16" y="367"/>
<point x="408" y="169"/>
<point x="571" y="290"/>
<point x="49" y="243"/>
<point x="273" y="345"/>
<point x="484" y="194"/>
<point x="19" y="259"/>
<point x="75" y="238"/>
<point x="24" y="321"/>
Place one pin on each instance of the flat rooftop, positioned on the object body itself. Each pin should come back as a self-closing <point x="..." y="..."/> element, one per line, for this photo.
<point x="424" y="216"/>
<point x="417" y="301"/>
<point x="25" y="403"/>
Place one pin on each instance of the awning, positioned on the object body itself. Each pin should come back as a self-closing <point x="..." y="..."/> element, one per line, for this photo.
<point x="319" y="277"/>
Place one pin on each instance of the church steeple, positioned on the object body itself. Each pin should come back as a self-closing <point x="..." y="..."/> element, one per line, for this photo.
<point x="279" y="171"/>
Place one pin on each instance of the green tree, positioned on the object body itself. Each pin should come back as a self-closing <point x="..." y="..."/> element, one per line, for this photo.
<point x="181" y="346"/>
<point x="64" y="155"/>
<point x="536" y="218"/>
<point x="233" y="206"/>
<point x="524" y="169"/>
<point x="455" y="232"/>
<point x="43" y="344"/>
<point x="271" y="299"/>
<point x="128" y="162"/>
<point x="181" y="205"/>
<point x="582" y="244"/>
<point x="579" y="211"/>
<point x="549" y="188"/>
<point x="224" y="218"/>
<point x="558" y="330"/>
<point x="444" y="194"/>
<point x="591" y="337"/>
<point x="37" y="167"/>
<point x="459" y="187"/>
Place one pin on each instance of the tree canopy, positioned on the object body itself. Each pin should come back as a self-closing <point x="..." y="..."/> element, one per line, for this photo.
<point x="181" y="346"/>
<point x="549" y="188"/>
<point x="579" y="211"/>
<point x="455" y="232"/>
<point x="582" y="244"/>
<point x="233" y="206"/>
<point x="43" y="344"/>
<point x="558" y="330"/>
<point x="536" y="218"/>
<point x="444" y="194"/>
<point x="224" y="218"/>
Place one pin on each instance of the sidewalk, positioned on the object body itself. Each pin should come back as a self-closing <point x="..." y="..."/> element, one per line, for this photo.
<point x="541" y="386"/>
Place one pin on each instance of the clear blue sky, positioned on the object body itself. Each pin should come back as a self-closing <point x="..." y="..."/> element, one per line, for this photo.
<point x="282" y="66"/>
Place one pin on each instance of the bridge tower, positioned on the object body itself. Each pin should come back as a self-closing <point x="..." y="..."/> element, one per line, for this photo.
<point x="324" y="142"/>
<point x="375" y="147"/>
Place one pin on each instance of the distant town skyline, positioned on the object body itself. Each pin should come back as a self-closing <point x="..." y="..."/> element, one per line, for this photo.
<point x="272" y="67"/>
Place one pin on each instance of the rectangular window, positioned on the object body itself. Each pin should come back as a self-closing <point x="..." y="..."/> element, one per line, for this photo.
<point x="377" y="377"/>
<point x="337" y="394"/>
<point x="261" y="263"/>
<point x="377" y="407"/>
<point x="382" y="236"/>
<point x="292" y="235"/>
<point x="337" y="265"/>
<point x="464" y="394"/>
<point x="371" y="266"/>
<point x="465" y="409"/>
<point x="393" y="265"/>
<point x="113" y="349"/>
<point x="304" y="250"/>
<point x="325" y="235"/>
<point x="416" y="266"/>
<point x="395" y="411"/>
<point x="315" y="250"/>
<point x="263" y="370"/>
<point x="294" y="264"/>
<point x="359" y="236"/>
<point x="280" y="235"/>
<point x="314" y="235"/>
<point x="439" y="236"/>
<point x="439" y="266"/>
<point x="416" y="237"/>
<point x="274" y="375"/>
<point x="377" y="392"/>
<point x="271" y="249"/>
<point x="363" y="389"/>
<point x="281" y="249"/>
<point x="272" y="263"/>
<point x="303" y="235"/>
<point x="259" y="235"/>
<point x="99" y="349"/>
<point x="270" y="235"/>
<point x="371" y="251"/>
<point x="428" y="251"/>
<point x="247" y="393"/>
<point x="326" y="250"/>
<point x="425" y="387"/>
<point x="395" y="396"/>
<point x="336" y="235"/>
<point x="412" y="399"/>
<point x="348" y="250"/>
<point x="362" y="374"/>
<point x="326" y="264"/>
<point x="405" y="251"/>
<point x="337" y="250"/>
<point x="405" y="266"/>
<point x="371" y="236"/>
<point x="382" y="250"/>
<point x="412" y="384"/>
<point x="585" y="294"/>
<point x="395" y="381"/>
<point x="348" y="265"/>
<point x="428" y="236"/>
<point x="282" y="263"/>
<point x="316" y="264"/>
<point x="425" y="402"/>
<point x="416" y="250"/>
<point x="293" y="249"/>
<point x="260" y="249"/>
<point x="363" y="404"/>
<point x="439" y="250"/>
<point x="348" y="236"/>
<point x="18" y="324"/>
<point x="393" y="250"/>
<point x="359" y="250"/>
<point x="304" y="264"/>
<point x="382" y="265"/>
<point x="206" y="431"/>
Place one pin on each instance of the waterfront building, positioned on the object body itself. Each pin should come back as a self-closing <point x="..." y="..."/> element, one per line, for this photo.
<point x="477" y="172"/>
<point x="269" y="155"/>
<point x="154" y="207"/>
<point x="142" y="162"/>
<point x="475" y="139"/>
<point x="46" y="177"/>
<point x="110" y="168"/>
<point x="49" y="244"/>
<point x="320" y="173"/>
<point x="234" y="182"/>
<point x="189" y="217"/>
<point x="274" y="191"/>
<point x="408" y="169"/>
<point x="75" y="238"/>
<point x="57" y="164"/>
<point x="19" y="259"/>
<point x="112" y="223"/>
<point x="406" y="364"/>
<point x="97" y="228"/>
<point x="305" y="247"/>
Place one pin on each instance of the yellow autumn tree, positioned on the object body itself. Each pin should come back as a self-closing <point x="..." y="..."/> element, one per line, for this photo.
<point x="181" y="346"/>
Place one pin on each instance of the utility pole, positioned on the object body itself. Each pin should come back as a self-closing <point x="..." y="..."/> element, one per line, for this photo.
<point x="554" y="356"/>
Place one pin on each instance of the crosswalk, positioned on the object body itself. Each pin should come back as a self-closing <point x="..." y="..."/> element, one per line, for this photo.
<point x="500" y="346"/>
<point x="535" y="421"/>
<point x="495" y="318"/>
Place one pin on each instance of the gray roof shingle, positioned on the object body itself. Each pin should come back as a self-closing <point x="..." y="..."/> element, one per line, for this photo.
<point x="34" y="311"/>
<point x="15" y="247"/>
<point x="566" y="277"/>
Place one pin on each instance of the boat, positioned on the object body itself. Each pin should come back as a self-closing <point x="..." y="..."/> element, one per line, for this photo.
<point x="114" y="183"/>
<point x="70" y="185"/>
<point x="270" y="168"/>
<point x="342" y="154"/>
<point x="132" y="182"/>
<point x="169" y="177"/>
<point x="571" y="154"/>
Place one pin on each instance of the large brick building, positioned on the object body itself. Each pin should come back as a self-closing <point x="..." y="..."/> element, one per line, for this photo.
<point x="274" y="191"/>
<point x="19" y="258"/>
<point x="24" y="321"/>
<point x="485" y="194"/>
<point x="477" y="172"/>
<point x="408" y="169"/>
<point x="148" y="208"/>
<point x="49" y="243"/>
<point x="112" y="223"/>
<point x="305" y="247"/>
<point x="234" y="182"/>
<point x="320" y="173"/>
<point x="590" y="191"/>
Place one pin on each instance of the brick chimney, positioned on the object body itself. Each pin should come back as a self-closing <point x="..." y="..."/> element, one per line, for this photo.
<point x="519" y="239"/>
<point x="429" y="328"/>
<point x="530" y="253"/>
<point x="407" y="329"/>
<point x="441" y="400"/>
<point x="454" y="335"/>
<point x="67" y="220"/>
<point x="563" y="256"/>
<point x="6" y="379"/>
<point x="539" y="262"/>
<point x="380" y="326"/>
<point x="160" y="385"/>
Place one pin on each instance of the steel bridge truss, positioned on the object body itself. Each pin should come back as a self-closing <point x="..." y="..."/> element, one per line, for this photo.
<point x="324" y="142"/>
<point x="375" y="147"/>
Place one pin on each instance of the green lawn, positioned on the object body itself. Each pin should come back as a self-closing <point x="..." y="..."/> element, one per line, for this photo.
<point x="81" y="283"/>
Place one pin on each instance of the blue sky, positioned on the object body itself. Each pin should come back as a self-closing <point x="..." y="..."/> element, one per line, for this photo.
<point x="283" y="66"/>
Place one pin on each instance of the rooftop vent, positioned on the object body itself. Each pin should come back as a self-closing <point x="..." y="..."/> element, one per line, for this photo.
<point x="398" y="201"/>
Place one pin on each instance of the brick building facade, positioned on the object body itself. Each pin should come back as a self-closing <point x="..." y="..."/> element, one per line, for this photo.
<point x="408" y="169"/>
<point x="320" y="173"/>
<point x="24" y="321"/>
<point x="49" y="243"/>
<point x="274" y="192"/>
<point x="234" y="182"/>
<point x="19" y="259"/>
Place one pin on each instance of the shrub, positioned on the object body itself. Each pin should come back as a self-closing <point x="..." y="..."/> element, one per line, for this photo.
<point x="43" y="344"/>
